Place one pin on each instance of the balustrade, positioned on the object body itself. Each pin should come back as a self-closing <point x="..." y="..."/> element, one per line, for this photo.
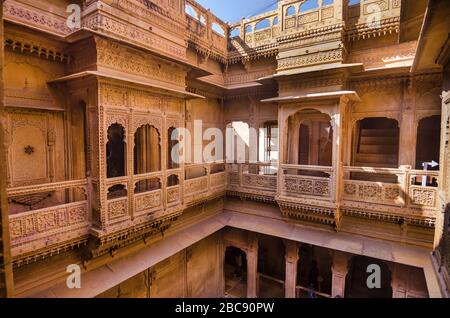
<point x="412" y="188"/>
<point x="66" y="220"/>
<point x="307" y="181"/>
<point x="253" y="180"/>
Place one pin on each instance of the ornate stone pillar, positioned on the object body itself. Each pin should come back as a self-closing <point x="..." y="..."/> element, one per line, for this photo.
<point x="252" y="266"/>
<point x="339" y="273"/>
<point x="6" y="272"/>
<point x="291" y="258"/>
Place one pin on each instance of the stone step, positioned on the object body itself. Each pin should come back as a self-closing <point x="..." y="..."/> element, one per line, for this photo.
<point x="378" y="140"/>
<point x="378" y="133"/>
<point x="378" y="149"/>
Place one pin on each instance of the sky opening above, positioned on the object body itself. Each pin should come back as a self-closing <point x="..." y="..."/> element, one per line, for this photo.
<point x="233" y="10"/>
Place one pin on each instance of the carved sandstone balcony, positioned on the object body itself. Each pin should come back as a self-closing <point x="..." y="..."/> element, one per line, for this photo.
<point x="314" y="194"/>
<point x="411" y="197"/>
<point x="204" y="182"/>
<point x="252" y="181"/>
<point x="205" y="32"/>
<point x="51" y="229"/>
<point x="307" y="193"/>
<point x="138" y="205"/>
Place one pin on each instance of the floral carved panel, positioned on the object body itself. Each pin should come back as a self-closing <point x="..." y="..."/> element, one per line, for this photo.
<point x="307" y="186"/>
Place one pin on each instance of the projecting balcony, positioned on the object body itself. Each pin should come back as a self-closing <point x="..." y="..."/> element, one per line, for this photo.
<point x="253" y="181"/>
<point x="315" y="194"/>
<point x="47" y="218"/>
<point x="399" y="195"/>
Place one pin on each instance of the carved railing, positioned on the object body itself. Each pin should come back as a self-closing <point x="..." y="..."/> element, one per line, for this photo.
<point x="411" y="194"/>
<point x="146" y="202"/>
<point x="369" y="15"/>
<point x="257" y="181"/>
<point x="252" y="35"/>
<point x="305" y="181"/>
<point x="201" y="33"/>
<point x="405" y="191"/>
<point x="65" y="221"/>
<point x="204" y="182"/>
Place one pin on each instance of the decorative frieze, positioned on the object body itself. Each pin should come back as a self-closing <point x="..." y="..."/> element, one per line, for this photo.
<point x="330" y="56"/>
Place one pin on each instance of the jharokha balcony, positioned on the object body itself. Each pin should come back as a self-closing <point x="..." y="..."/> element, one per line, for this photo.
<point x="48" y="218"/>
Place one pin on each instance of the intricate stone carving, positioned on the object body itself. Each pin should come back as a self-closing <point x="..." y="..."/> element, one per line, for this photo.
<point x="382" y="193"/>
<point x="307" y="185"/>
<point x="47" y="222"/>
<point x="145" y="202"/>
<point x="259" y="181"/>
<point x="127" y="60"/>
<point x="117" y="208"/>
<point x="173" y="194"/>
<point x="423" y="196"/>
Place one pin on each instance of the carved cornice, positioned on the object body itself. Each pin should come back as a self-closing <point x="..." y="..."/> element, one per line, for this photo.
<point x="428" y="222"/>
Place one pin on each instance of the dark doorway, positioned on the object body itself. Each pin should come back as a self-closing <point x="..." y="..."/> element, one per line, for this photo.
<point x="356" y="282"/>
<point x="235" y="273"/>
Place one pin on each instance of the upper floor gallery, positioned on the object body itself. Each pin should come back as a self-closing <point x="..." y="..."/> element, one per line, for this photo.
<point x="336" y="126"/>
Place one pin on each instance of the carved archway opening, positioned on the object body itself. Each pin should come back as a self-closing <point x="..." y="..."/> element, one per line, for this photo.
<point x="116" y="151"/>
<point x="147" y="150"/>
<point x="117" y="191"/>
<point x="147" y="185"/>
<point x="310" y="140"/>
<point x="428" y="141"/>
<point x="358" y="283"/>
<point x="173" y="180"/>
<point x="314" y="276"/>
<point x="235" y="272"/>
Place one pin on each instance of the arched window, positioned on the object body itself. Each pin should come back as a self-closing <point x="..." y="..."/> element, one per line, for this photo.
<point x="147" y="150"/>
<point x="147" y="185"/>
<point x="234" y="33"/>
<point x="116" y="151"/>
<point x="262" y="24"/>
<point x="309" y="5"/>
<point x="275" y="21"/>
<point x="173" y="162"/>
<point x="290" y="11"/>
<point x="248" y="29"/>
<point x="117" y="191"/>
<point x="173" y="180"/>
<point x="217" y="28"/>
<point x="191" y="12"/>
